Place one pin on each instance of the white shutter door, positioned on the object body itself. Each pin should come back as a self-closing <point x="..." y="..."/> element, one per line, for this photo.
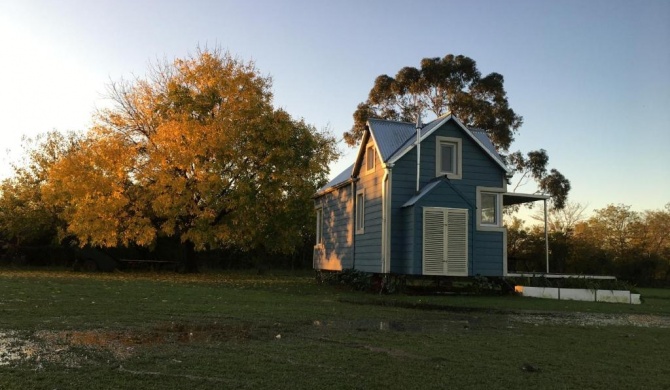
<point x="433" y="241"/>
<point x="457" y="242"/>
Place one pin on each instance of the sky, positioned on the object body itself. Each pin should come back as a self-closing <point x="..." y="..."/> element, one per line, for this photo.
<point x="591" y="78"/>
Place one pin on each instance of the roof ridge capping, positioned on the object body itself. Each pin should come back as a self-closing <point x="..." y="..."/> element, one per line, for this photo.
<point x="390" y="120"/>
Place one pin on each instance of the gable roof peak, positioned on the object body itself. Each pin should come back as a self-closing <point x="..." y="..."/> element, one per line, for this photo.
<point x="446" y="114"/>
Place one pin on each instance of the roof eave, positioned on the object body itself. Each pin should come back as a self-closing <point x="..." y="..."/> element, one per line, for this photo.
<point x="332" y="188"/>
<point x="512" y="198"/>
<point x="361" y="151"/>
<point x="484" y="148"/>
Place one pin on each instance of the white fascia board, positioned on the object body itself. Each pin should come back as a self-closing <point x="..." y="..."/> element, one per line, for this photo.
<point x="385" y="164"/>
<point x="361" y="150"/>
<point x="465" y="129"/>
<point x="333" y="188"/>
<point x="372" y="135"/>
<point x="484" y="148"/>
<point x="437" y="126"/>
<point x="404" y="152"/>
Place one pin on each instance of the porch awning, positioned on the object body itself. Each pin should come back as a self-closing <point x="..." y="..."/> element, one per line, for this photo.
<point x="510" y="198"/>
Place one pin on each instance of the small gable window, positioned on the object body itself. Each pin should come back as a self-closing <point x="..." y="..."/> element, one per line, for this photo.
<point x="448" y="157"/>
<point x="360" y="212"/>
<point x="370" y="157"/>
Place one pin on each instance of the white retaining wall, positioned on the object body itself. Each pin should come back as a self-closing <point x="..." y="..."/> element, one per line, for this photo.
<point x="579" y="294"/>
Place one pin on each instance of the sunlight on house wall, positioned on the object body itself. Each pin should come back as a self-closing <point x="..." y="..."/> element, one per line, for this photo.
<point x="331" y="263"/>
<point x="338" y="239"/>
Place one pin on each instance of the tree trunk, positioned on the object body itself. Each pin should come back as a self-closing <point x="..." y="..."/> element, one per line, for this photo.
<point x="189" y="263"/>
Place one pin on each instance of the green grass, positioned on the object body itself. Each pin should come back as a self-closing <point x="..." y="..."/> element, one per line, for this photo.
<point x="236" y="330"/>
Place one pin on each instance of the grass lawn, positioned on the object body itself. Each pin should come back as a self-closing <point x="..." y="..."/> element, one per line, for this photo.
<point x="65" y="330"/>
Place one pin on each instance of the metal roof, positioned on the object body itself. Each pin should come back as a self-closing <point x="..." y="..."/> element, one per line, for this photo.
<point x="390" y="135"/>
<point x="484" y="139"/>
<point x="339" y="179"/>
<point x="409" y="142"/>
<point x="393" y="139"/>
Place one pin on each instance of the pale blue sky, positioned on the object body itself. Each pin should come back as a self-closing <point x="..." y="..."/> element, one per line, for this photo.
<point x="591" y="78"/>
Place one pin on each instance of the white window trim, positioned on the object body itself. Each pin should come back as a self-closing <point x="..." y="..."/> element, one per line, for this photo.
<point x="459" y="157"/>
<point x="319" y="227"/>
<point x="369" y="147"/>
<point x="360" y="208"/>
<point x="498" y="226"/>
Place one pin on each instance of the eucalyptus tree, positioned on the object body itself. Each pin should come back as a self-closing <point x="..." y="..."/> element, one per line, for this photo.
<point x="454" y="84"/>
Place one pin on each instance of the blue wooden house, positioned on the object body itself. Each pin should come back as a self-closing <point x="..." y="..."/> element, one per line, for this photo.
<point x="417" y="201"/>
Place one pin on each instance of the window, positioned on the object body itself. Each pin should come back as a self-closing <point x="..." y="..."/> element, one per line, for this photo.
<point x="370" y="157"/>
<point x="319" y="226"/>
<point x="360" y="212"/>
<point x="489" y="208"/>
<point x="448" y="157"/>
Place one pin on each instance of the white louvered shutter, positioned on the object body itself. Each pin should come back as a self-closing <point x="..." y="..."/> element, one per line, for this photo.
<point x="457" y="242"/>
<point x="433" y="241"/>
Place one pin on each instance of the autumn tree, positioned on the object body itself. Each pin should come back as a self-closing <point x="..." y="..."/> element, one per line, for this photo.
<point x="637" y="244"/>
<point x="613" y="228"/>
<point x="454" y="84"/>
<point x="25" y="219"/>
<point x="655" y="234"/>
<point x="195" y="151"/>
<point x="563" y="220"/>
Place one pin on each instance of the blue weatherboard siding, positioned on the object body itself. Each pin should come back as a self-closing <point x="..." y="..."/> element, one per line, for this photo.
<point x="488" y="249"/>
<point x="337" y="251"/>
<point x="364" y="251"/>
<point x="478" y="169"/>
<point x="368" y="246"/>
<point x="442" y="196"/>
<point x="403" y="187"/>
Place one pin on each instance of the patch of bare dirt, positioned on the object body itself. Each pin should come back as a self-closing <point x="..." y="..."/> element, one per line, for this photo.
<point x="62" y="346"/>
<point x="17" y="348"/>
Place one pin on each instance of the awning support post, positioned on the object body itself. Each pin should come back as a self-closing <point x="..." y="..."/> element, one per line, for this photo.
<point x="546" y="236"/>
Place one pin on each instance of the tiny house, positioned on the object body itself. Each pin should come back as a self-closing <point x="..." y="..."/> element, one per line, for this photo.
<point x="417" y="201"/>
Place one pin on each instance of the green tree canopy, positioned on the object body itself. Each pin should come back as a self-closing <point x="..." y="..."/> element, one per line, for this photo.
<point x="196" y="151"/>
<point x="454" y="84"/>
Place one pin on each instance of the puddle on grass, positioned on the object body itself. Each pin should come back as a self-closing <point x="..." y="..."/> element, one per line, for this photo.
<point x="395" y="326"/>
<point x="62" y="346"/>
<point x="593" y="319"/>
<point x="71" y="347"/>
<point x="500" y="321"/>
